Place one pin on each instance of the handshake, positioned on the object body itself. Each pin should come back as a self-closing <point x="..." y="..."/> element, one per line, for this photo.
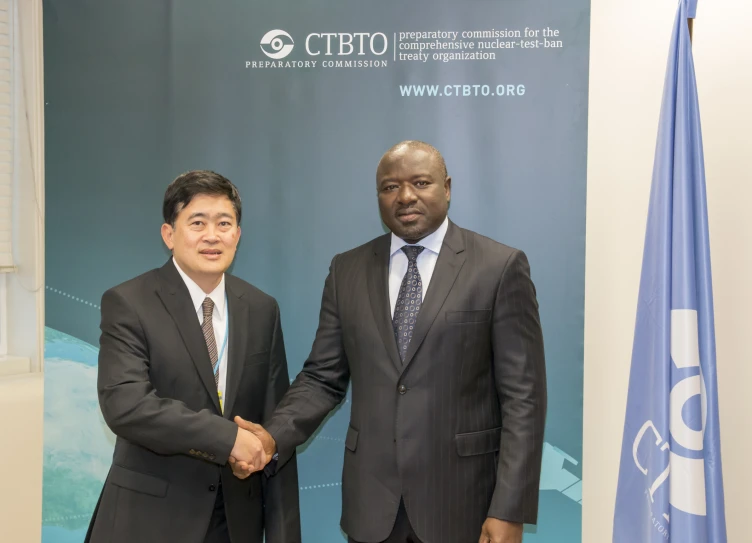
<point x="253" y="449"/>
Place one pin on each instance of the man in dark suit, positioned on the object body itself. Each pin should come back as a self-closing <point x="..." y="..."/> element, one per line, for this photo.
<point x="184" y="350"/>
<point x="437" y="328"/>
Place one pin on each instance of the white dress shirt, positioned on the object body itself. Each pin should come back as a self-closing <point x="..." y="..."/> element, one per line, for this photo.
<point x="219" y="321"/>
<point x="426" y="261"/>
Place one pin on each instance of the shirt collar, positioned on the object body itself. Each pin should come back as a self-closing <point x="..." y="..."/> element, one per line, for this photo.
<point x="432" y="243"/>
<point x="197" y="294"/>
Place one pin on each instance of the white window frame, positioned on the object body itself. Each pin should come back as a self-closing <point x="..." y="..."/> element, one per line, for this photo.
<point x="3" y="317"/>
<point x="6" y="266"/>
<point x="22" y="282"/>
<point x="8" y="65"/>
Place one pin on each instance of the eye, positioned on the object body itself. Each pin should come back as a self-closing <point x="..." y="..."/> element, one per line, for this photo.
<point x="422" y="183"/>
<point x="197" y="223"/>
<point x="390" y="188"/>
<point x="225" y="224"/>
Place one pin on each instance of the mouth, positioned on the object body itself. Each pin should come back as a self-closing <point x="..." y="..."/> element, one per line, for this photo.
<point x="408" y="216"/>
<point x="211" y="254"/>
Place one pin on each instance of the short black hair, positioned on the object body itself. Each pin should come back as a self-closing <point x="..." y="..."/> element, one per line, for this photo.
<point x="190" y="184"/>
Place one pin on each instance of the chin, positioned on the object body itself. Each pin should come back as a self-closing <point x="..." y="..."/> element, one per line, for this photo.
<point x="215" y="267"/>
<point x="414" y="232"/>
<point x="399" y="228"/>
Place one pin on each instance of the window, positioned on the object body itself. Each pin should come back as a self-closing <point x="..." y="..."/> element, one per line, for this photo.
<point x="6" y="133"/>
<point x="6" y="162"/>
<point x="3" y="317"/>
<point x="21" y="187"/>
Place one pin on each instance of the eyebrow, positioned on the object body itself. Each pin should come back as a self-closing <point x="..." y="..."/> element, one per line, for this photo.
<point x="411" y="178"/>
<point x="201" y="214"/>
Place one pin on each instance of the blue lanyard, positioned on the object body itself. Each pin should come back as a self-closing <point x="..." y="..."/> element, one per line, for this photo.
<point x="224" y="343"/>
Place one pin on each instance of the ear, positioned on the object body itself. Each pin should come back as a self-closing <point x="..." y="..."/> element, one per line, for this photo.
<point x="167" y="233"/>
<point x="448" y="188"/>
<point x="237" y="237"/>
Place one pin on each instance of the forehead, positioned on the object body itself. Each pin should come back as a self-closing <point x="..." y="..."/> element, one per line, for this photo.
<point x="407" y="163"/>
<point x="209" y="204"/>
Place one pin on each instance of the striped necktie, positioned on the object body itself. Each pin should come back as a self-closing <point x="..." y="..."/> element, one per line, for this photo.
<point x="211" y="342"/>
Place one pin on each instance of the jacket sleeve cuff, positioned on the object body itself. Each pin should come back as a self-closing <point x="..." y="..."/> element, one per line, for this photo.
<point x="284" y="451"/>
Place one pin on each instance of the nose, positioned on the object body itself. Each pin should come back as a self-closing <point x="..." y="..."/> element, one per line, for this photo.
<point x="406" y="195"/>
<point x="211" y="234"/>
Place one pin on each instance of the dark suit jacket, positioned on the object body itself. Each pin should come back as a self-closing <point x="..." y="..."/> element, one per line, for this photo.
<point x="157" y="394"/>
<point x="457" y="430"/>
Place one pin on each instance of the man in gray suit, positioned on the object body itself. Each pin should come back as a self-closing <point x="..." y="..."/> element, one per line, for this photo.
<point x="184" y="350"/>
<point x="437" y="328"/>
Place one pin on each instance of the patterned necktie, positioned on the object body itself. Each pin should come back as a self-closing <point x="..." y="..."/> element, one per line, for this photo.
<point x="208" y="328"/>
<point x="408" y="301"/>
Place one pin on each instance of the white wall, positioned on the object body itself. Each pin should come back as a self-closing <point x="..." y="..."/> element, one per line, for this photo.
<point x="723" y="61"/>
<point x="629" y="49"/>
<point x="21" y="415"/>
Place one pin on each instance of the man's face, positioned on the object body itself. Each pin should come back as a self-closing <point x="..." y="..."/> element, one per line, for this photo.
<point x="413" y="193"/>
<point x="204" y="237"/>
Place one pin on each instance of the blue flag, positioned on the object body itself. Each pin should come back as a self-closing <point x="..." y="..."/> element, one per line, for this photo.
<point x="670" y="484"/>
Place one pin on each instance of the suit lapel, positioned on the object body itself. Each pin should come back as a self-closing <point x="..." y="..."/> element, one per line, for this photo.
<point x="448" y="266"/>
<point x="176" y="298"/>
<point x="238" y="312"/>
<point x="378" y="280"/>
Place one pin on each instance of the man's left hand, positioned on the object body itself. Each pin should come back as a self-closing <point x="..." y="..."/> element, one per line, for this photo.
<point x="500" y="531"/>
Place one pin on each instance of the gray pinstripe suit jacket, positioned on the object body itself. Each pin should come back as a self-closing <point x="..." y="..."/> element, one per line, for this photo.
<point x="457" y="429"/>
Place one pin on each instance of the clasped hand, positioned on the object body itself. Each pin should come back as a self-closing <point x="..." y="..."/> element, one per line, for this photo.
<point x="253" y="450"/>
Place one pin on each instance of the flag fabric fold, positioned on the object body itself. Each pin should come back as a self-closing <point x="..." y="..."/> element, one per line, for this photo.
<point x="670" y="484"/>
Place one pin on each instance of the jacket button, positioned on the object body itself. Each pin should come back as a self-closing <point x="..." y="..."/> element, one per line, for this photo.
<point x="212" y="488"/>
<point x="402" y="389"/>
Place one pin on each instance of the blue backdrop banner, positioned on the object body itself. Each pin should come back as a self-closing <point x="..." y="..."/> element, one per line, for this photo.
<point x="295" y="102"/>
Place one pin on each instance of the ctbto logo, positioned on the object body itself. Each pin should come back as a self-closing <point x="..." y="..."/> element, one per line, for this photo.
<point x="324" y="50"/>
<point x="343" y="44"/>
<point x="277" y="44"/>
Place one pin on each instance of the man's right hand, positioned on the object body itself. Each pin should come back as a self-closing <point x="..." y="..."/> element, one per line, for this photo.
<point x="248" y="453"/>
<point x="270" y="446"/>
<point x="237" y="471"/>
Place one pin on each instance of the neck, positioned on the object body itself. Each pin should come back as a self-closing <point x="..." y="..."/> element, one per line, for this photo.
<point x="207" y="283"/>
